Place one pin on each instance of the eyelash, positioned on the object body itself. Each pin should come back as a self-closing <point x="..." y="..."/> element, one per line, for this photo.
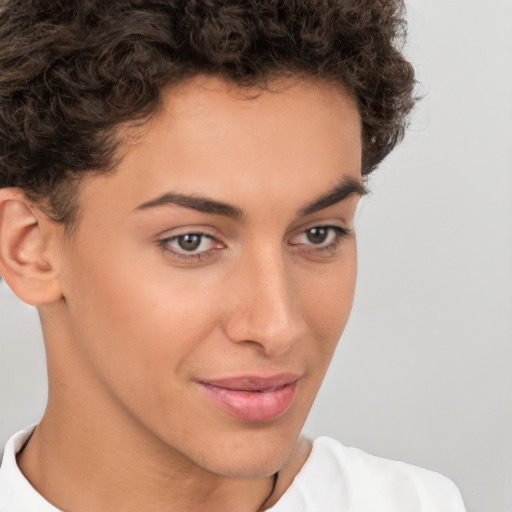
<point x="164" y="245"/>
<point x="339" y="232"/>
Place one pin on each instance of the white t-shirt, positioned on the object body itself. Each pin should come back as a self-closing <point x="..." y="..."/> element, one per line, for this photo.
<point x="333" y="479"/>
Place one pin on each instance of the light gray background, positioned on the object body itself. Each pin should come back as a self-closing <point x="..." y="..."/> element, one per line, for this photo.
<point x="424" y="369"/>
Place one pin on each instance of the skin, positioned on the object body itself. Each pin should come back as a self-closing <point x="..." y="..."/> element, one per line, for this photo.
<point x="130" y="326"/>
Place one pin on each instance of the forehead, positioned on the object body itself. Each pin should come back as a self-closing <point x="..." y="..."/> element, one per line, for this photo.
<point x="214" y="139"/>
<point x="205" y="94"/>
<point x="209" y="106"/>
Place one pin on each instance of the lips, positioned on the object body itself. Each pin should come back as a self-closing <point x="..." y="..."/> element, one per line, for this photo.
<point x="253" y="398"/>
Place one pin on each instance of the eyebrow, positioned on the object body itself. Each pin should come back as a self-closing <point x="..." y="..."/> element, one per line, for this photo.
<point x="348" y="187"/>
<point x="201" y="204"/>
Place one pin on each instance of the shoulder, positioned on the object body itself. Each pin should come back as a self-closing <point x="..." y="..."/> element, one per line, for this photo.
<point x="383" y="479"/>
<point x="336" y="477"/>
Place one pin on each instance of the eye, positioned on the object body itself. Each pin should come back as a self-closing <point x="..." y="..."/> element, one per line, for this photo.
<point x="321" y="237"/>
<point x="190" y="245"/>
<point x="191" y="241"/>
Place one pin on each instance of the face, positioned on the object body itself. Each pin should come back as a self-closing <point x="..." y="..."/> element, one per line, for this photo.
<point x="212" y="274"/>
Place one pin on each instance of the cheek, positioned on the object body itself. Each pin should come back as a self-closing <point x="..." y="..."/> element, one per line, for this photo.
<point x="136" y="325"/>
<point x="327" y="296"/>
<point x="326" y="302"/>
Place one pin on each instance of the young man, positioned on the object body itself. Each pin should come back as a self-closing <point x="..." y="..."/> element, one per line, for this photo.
<point x="178" y="182"/>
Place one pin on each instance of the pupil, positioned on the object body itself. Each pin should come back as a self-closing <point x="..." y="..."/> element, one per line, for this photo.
<point x="189" y="242"/>
<point x="317" y="235"/>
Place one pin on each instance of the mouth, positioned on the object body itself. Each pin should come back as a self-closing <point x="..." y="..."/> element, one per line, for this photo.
<point x="252" y="398"/>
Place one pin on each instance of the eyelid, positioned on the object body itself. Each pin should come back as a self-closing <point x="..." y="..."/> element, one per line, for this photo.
<point x="202" y="236"/>
<point x="163" y="241"/>
<point x="340" y="232"/>
<point x="326" y="222"/>
<point x="181" y="230"/>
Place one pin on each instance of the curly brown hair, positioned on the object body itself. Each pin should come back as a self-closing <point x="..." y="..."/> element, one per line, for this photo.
<point x="71" y="71"/>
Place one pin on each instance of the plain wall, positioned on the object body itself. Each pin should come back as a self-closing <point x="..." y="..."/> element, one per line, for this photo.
<point x="423" y="371"/>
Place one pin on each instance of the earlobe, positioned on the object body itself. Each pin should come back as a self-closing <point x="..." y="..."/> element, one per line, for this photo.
<point x="25" y="250"/>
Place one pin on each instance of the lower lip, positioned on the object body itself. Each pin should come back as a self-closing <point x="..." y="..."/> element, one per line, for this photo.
<point x="252" y="405"/>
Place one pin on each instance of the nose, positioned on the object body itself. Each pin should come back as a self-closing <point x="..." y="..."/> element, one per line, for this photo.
<point x="264" y="306"/>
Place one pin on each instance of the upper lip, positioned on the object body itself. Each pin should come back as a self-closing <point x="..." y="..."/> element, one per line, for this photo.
<point x="253" y="382"/>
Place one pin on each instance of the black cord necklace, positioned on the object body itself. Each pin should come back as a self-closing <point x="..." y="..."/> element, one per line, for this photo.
<point x="274" y="483"/>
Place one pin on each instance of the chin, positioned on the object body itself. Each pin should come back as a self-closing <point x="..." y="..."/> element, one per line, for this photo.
<point x="251" y="455"/>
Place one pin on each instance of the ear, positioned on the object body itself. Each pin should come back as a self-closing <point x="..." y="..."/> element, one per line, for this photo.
<point x="28" y="255"/>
